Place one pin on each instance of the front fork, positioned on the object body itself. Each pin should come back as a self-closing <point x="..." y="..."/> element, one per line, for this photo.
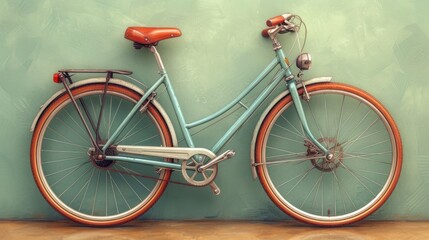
<point x="298" y="107"/>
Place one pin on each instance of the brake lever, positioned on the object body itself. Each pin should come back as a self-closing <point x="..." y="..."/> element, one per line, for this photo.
<point x="289" y="27"/>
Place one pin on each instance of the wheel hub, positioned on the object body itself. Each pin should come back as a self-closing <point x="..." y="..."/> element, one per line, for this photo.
<point x="333" y="160"/>
<point x="99" y="159"/>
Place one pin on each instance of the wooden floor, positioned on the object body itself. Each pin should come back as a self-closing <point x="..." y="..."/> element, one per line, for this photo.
<point x="219" y="230"/>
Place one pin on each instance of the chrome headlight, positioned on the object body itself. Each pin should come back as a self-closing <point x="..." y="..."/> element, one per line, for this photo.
<point x="303" y="61"/>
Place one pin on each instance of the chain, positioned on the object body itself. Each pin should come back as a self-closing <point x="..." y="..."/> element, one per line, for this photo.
<point x="149" y="177"/>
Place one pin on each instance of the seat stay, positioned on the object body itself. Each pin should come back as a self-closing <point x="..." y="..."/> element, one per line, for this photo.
<point x="133" y="111"/>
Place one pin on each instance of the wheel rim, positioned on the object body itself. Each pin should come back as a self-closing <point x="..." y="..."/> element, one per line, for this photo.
<point x="117" y="184"/>
<point x="316" y="174"/>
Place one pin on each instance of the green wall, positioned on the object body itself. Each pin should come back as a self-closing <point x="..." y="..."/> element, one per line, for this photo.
<point x="381" y="46"/>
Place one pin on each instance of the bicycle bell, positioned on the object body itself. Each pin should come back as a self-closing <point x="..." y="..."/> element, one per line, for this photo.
<point x="303" y="61"/>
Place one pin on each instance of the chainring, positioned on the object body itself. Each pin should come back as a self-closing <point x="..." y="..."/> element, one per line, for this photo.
<point x="193" y="176"/>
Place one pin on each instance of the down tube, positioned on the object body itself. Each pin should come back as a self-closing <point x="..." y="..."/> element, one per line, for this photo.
<point x="246" y="115"/>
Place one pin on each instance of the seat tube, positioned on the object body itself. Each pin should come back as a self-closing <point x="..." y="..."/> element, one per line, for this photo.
<point x="173" y="97"/>
<point x="178" y="111"/>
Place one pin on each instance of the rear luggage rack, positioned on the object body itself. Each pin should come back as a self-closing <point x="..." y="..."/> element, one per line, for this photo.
<point x="112" y="71"/>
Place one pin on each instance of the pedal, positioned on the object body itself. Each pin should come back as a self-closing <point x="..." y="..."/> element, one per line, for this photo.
<point x="215" y="188"/>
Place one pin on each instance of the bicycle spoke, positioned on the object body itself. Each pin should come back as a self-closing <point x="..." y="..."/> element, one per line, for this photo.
<point x="114" y="116"/>
<point x="372" y="172"/>
<point x="60" y="151"/>
<point x="62" y="160"/>
<point x="315" y="195"/>
<point x="311" y="191"/>
<point x="77" y="179"/>
<point x="86" y="190"/>
<point x="279" y="161"/>
<point x="85" y="139"/>
<point x="358" y="137"/>
<point x="363" y="137"/>
<point x="365" y="157"/>
<point x="82" y="188"/>
<point x="302" y="178"/>
<point x="354" y="175"/>
<point x="316" y="122"/>
<point x="95" y="193"/>
<point x="128" y="135"/>
<point x="120" y="192"/>
<point x="314" y="188"/>
<point x="67" y="143"/>
<point x="66" y="169"/>
<point x="145" y="140"/>
<point x="345" y="191"/>
<point x="62" y="135"/>
<point x="327" y="117"/>
<point x="113" y="192"/>
<point x="341" y="116"/>
<point x="285" y="138"/>
<point x="288" y="153"/>
<point x="134" y="177"/>
<point x="131" y="188"/>
<point x="299" y="133"/>
<point x="104" y="119"/>
<point x="287" y="130"/>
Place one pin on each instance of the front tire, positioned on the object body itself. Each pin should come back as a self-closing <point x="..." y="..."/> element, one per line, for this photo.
<point x="358" y="131"/>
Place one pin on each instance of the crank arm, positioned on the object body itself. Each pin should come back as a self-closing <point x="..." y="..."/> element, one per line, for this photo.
<point x="224" y="156"/>
<point x="215" y="188"/>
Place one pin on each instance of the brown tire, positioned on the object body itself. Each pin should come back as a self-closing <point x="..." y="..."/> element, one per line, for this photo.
<point x="97" y="193"/>
<point x="357" y="130"/>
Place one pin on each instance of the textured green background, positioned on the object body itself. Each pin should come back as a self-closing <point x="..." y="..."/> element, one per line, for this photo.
<point x="381" y="46"/>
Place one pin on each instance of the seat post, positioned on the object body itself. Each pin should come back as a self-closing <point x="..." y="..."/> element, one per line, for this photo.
<point x="158" y="59"/>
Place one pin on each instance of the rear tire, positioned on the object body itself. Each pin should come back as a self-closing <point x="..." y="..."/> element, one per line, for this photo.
<point x="97" y="193"/>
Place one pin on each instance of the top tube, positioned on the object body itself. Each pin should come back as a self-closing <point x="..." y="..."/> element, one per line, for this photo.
<point x="246" y="91"/>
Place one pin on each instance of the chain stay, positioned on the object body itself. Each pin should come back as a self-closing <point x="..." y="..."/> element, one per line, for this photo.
<point x="158" y="170"/>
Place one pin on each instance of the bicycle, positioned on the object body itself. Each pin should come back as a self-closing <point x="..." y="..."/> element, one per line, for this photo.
<point x="103" y="150"/>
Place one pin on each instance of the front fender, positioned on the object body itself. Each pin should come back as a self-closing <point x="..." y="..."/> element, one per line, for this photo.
<point x="111" y="81"/>
<point x="264" y="114"/>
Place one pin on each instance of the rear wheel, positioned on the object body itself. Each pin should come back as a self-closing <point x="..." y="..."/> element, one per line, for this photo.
<point x="362" y="138"/>
<point x="73" y="181"/>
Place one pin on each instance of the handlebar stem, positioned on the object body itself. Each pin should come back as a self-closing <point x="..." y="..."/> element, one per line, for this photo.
<point x="272" y="33"/>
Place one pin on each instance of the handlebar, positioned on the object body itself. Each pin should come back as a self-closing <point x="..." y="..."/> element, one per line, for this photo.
<point x="275" y="22"/>
<point x="271" y="22"/>
<point x="265" y="32"/>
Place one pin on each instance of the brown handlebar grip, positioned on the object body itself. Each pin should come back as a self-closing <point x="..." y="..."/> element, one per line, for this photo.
<point x="265" y="32"/>
<point x="275" y="21"/>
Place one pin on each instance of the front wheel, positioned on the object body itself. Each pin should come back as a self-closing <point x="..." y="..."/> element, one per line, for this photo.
<point x="362" y="138"/>
<point x="73" y="181"/>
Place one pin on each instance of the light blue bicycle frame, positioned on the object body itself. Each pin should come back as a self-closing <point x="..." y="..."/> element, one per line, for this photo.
<point x="284" y="73"/>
